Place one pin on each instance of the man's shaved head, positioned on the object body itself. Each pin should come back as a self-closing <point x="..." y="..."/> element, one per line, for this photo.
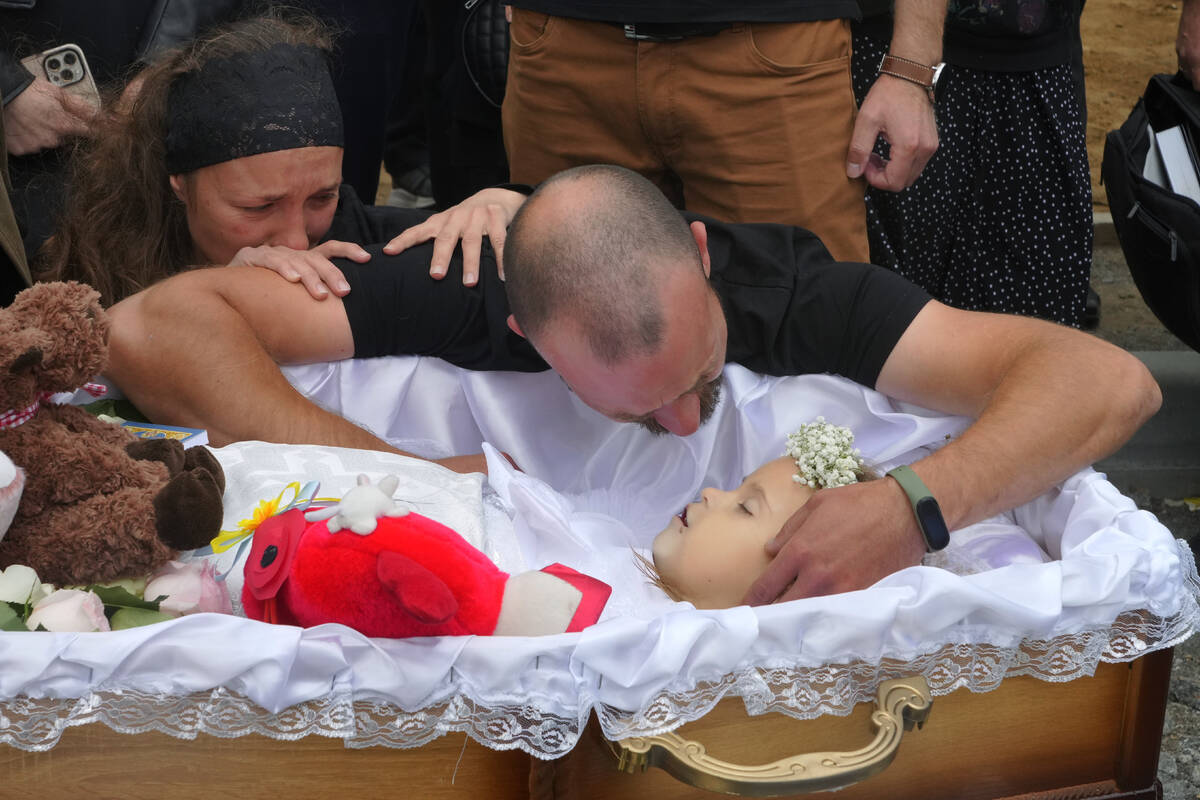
<point x="597" y="246"/>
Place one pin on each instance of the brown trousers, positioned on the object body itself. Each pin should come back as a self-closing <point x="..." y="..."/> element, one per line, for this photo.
<point x="751" y="124"/>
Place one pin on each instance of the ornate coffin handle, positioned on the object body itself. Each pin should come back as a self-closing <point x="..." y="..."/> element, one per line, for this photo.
<point x="901" y="704"/>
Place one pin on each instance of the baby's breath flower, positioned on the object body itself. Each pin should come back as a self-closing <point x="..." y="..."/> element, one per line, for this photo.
<point x="825" y="455"/>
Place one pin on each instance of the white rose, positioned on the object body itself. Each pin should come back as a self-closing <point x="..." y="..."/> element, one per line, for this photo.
<point x="20" y="584"/>
<point x="188" y="588"/>
<point x="69" y="610"/>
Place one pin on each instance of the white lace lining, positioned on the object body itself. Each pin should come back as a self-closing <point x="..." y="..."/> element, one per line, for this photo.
<point x="801" y="692"/>
<point x="543" y="730"/>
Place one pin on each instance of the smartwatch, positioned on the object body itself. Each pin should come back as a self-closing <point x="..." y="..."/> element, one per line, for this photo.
<point x="925" y="507"/>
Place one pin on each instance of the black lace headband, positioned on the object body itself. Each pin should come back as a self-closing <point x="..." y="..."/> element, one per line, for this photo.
<point x="250" y="103"/>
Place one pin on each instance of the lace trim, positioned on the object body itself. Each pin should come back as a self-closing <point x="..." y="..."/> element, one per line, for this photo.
<point x="800" y="691"/>
<point x="37" y="724"/>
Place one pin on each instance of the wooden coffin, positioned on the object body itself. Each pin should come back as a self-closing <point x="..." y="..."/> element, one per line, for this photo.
<point x="1093" y="737"/>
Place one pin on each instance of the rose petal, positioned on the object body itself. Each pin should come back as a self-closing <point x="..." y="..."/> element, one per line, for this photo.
<point x="18" y="583"/>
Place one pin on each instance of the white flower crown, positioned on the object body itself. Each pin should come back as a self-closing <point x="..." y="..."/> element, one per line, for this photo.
<point x="825" y="455"/>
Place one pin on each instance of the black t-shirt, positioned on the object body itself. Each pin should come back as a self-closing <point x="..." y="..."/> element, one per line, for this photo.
<point x="688" y="11"/>
<point x="791" y="309"/>
<point x="395" y="308"/>
<point x="353" y="221"/>
<point x="1001" y="36"/>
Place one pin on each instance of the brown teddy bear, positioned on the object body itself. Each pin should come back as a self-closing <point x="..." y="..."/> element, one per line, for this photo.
<point x="98" y="503"/>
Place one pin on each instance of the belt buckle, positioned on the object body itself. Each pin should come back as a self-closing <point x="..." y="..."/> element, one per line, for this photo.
<point x="631" y="32"/>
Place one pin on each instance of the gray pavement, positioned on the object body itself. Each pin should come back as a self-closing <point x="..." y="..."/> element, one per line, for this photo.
<point x="1158" y="468"/>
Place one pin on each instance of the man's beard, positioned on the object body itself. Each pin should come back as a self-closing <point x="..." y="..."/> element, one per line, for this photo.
<point x="710" y="398"/>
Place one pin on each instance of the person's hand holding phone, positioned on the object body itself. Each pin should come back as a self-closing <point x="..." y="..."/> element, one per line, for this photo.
<point x="43" y="117"/>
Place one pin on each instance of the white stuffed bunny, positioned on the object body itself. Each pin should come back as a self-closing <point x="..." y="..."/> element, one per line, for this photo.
<point x="361" y="506"/>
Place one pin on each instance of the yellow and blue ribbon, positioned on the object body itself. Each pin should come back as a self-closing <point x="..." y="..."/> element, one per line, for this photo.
<point x="291" y="497"/>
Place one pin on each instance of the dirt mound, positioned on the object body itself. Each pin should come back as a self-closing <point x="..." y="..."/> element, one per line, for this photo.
<point x="1124" y="43"/>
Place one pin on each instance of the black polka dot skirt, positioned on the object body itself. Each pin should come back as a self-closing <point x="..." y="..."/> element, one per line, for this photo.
<point x="1001" y="217"/>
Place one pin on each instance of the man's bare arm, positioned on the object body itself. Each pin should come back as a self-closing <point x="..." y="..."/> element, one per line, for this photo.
<point x="202" y="349"/>
<point x="1048" y="401"/>
<point x="899" y="110"/>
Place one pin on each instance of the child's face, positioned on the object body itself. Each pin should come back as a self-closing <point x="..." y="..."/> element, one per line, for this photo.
<point x="715" y="550"/>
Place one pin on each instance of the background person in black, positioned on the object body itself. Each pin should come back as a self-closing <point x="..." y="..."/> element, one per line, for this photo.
<point x="116" y="36"/>
<point x="1001" y="218"/>
<point x="1047" y="400"/>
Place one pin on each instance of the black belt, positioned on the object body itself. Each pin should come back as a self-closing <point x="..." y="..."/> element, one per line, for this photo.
<point x="670" y="31"/>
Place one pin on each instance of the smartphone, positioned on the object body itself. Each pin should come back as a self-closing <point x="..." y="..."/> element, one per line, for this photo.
<point x="65" y="67"/>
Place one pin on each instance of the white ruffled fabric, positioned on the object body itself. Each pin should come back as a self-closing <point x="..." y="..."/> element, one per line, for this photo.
<point x="1119" y="585"/>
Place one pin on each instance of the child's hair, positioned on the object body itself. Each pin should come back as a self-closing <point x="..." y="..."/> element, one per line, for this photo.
<point x="647" y="568"/>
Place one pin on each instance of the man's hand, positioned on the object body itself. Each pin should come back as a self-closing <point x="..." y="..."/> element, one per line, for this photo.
<point x="42" y="117"/>
<point x="841" y="540"/>
<point x="1187" y="42"/>
<point x="309" y="267"/>
<point x="1046" y="399"/>
<point x="485" y="213"/>
<point x="900" y="111"/>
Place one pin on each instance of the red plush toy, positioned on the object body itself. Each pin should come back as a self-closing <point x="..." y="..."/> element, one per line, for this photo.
<point x="369" y="564"/>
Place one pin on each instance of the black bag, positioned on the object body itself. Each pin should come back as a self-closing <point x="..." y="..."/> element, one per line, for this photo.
<point x="1159" y="230"/>
<point x="485" y="48"/>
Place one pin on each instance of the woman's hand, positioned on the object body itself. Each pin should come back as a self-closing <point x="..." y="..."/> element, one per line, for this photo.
<point x="42" y="117"/>
<point x="485" y="213"/>
<point x="311" y="267"/>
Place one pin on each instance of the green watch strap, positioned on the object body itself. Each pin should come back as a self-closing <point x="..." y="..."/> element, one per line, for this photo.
<point x="925" y="508"/>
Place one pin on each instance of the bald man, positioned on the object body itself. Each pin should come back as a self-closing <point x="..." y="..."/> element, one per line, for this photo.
<point x="638" y="309"/>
